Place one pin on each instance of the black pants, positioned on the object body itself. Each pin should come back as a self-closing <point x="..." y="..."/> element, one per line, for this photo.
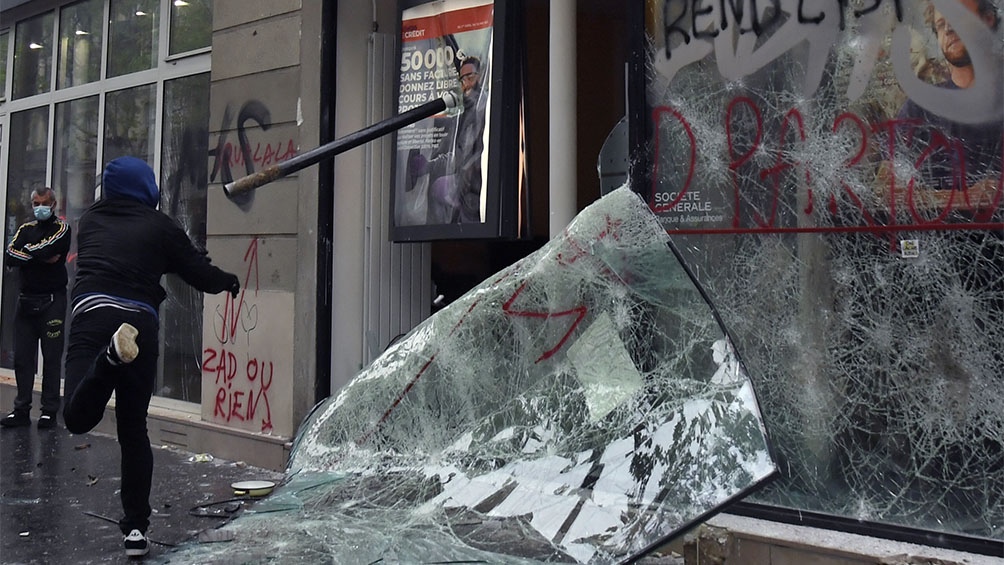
<point x="90" y="381"/>
<point x="38" y="318"/>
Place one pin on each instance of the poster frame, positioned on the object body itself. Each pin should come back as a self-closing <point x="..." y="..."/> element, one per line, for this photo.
<point x="502" y="176"/>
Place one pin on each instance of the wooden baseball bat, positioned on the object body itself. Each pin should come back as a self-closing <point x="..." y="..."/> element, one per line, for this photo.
<point x="450" y="99"/>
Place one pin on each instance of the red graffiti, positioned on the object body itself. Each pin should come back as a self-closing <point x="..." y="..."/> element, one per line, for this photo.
<point x="746" y="134"/>
<point x="577" y="314"/>
<point x="233" y="308"/>
<point x="241" y="386"/>
<point x="691" y="165"/>
<point x="262" y="155"/>
<point x="233" y="402"/>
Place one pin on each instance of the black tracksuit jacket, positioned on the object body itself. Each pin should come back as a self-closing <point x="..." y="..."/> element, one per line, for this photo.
<point x="34" y="243"/>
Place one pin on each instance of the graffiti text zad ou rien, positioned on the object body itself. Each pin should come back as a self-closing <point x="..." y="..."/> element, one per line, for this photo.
<point x="746" y="137"/>
<point x="231" y="401"/>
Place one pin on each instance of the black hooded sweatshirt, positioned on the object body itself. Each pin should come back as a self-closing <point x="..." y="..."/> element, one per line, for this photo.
<point x="125" y="245"/>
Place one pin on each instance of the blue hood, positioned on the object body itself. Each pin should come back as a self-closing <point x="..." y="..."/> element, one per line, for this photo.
<point x="132" y="179"/>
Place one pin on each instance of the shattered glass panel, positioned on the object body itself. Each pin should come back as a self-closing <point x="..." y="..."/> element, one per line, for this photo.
<point x="184" y="171"/>
<point x="832" y="173"/>
<point x="582" y="405"/>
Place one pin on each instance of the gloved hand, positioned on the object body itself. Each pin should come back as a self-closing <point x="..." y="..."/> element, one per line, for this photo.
<point x="234" y="286"/>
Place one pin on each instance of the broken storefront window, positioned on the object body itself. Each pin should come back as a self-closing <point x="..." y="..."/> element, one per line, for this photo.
<point x="834" y="180"/>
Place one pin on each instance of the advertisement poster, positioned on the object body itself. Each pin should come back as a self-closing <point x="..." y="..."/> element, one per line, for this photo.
<point x="442" y="164"/>
<point x="823" y="116"/>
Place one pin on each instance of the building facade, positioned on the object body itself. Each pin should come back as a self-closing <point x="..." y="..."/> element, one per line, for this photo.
<point x="208" y="91"/>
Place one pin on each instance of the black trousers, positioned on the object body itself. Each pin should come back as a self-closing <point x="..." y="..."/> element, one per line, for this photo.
<point x="39" y="318"/>
<point x="90" y="382"/>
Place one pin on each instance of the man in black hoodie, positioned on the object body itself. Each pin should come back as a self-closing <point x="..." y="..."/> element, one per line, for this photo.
<point x="39" y="249"/>
<point x="125" y="245"/>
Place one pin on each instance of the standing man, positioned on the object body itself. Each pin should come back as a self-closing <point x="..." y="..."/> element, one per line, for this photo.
<point x="39" y="249"/>
<point x="124" y="247"/>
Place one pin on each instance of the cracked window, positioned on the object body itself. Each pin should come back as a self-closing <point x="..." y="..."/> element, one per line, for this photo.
<point x="582" y="405"/>
<point x="832" y="173"/>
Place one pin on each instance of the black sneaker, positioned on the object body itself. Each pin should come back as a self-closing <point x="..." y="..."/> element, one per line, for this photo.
<point x="135" y="544"/>
<point x="16" y="419"/>
<point x="123" y="348"/>
<point x="46" y="421"/>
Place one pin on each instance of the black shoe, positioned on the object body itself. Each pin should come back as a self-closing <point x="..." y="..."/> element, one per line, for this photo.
<point x="135" y="544"/>
<point x="46" y="421"/>
<point x="16" y="419"/>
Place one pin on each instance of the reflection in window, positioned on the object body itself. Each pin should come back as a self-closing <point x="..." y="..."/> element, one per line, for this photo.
<point x="32" y="56"/>
<point x="74" y="161"/>
<point x="130" y="116"/>
<point x="183" y="184"/>
<point x="80" y="36"/>
<point x="30" y="131"/>
<point x="132" y="36"/>
<point x="191" y="25"/>
<point x="3" y="65"/>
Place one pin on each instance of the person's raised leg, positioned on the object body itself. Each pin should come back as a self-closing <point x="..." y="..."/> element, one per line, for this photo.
<point x="90" y="377"/>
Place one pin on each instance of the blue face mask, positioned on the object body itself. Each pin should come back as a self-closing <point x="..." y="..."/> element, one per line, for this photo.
<point x="43" y="213"/>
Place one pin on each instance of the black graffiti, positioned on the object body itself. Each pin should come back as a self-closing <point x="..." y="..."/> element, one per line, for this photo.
<point x="698" y="19"/>
<point x="252" y="110"/>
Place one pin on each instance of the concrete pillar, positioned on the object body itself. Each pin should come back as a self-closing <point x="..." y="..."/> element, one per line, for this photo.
<point x="562" y="127"/>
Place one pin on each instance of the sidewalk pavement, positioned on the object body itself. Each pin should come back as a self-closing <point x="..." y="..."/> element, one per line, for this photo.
<point x="59" y="497"/>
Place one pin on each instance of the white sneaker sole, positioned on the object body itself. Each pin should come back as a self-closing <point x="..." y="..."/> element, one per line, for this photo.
<point x="124" y="342"/>
<point x="139" y="537"/>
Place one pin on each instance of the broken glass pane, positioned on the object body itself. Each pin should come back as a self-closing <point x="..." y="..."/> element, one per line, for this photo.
<point x="834" y="179"/>
<point x="582" y="405"/>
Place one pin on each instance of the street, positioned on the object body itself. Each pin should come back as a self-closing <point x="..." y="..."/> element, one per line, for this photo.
<point x="59" y="497"/>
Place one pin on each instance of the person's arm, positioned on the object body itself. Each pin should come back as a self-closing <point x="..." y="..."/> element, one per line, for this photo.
<point x="52" y="248"/>
<point x="194" y="266"/>
<point x="16" y="255"/>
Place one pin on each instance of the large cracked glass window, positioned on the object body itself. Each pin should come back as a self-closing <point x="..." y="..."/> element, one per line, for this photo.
<point x="583" y="405"/>
<point x="832" y="172"/>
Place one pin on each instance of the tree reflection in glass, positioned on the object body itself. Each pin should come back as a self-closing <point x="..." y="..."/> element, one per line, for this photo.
<point x="80" y="37"/>
<point x="191" y="25"/>
<point x="32" y="56"/>
<point x="130" y="115"/>
<point x="133" y="33"/>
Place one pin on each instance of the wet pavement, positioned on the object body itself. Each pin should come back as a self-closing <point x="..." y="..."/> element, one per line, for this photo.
<point x="59" y="497"/>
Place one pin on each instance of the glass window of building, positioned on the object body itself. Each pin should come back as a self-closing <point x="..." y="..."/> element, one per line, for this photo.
<point x="33" y="56"/>
<point x="191" y="25"/>
<point x="80" y="36"/>
<point x="64" y="138"/>
<point x="74" y="161"/>
<point x="133" y="35"/>
<point x="183" y="174"/>
<point x="4" y="36"/>
<point x="130" y="115"/>
<point x="29" y="132"/>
